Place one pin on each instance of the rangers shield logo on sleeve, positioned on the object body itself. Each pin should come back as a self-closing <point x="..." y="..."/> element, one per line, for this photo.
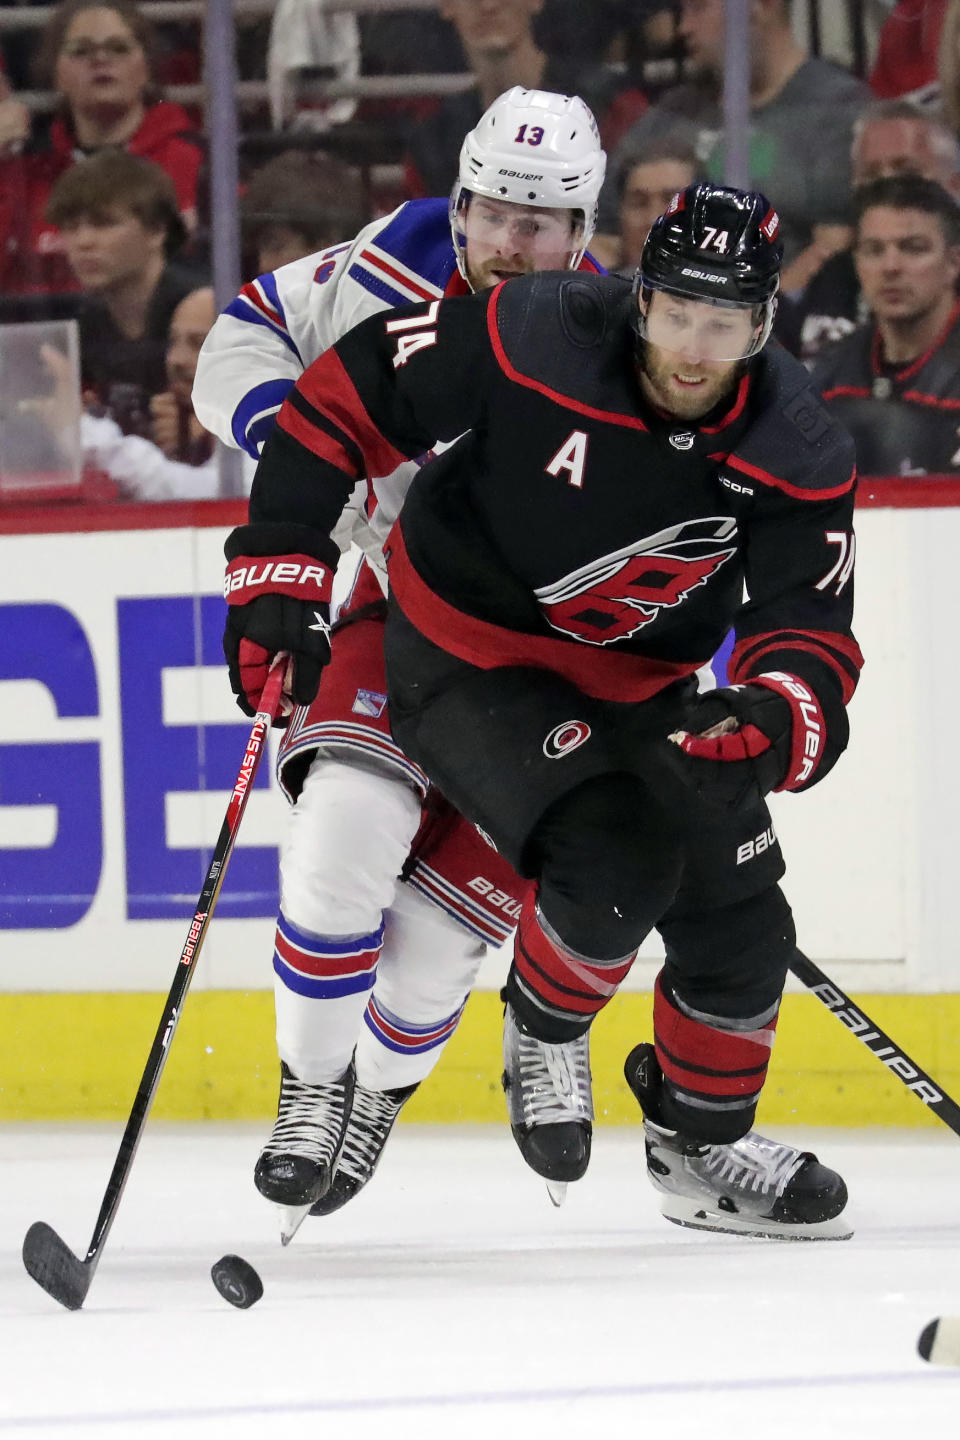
<point x="617" y="595"/>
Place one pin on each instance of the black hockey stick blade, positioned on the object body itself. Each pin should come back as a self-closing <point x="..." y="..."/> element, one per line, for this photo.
<point x="55" y="1267"/>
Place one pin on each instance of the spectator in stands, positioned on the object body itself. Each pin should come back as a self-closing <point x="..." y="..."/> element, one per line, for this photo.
<point x="948" y="66"/>
<point x="14" y="131"/>
<point x="501" y="50"/>
<point x="906" y="66"/>
<point x="177" y="461"/>
<point x="649" y="179"/>
<point x="405" y="42"/>
<point x="296" y="204"/>
<point x="14" y="118"/>
<point x="174" y="428"/>
<point x="892" y="137"/>
<point x="802" y="112"/>
<point x="582" y="38"/>
<point x="99" y="59"/>
<point x="583" y="33"/>
<point x="895" y="382"/>
<point x="120" y="225"/>
<point x="644" y="60"/>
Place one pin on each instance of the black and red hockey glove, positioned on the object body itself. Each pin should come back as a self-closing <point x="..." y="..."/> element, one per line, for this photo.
<point x="743" y="741"/>
<point x="277" y="586"/>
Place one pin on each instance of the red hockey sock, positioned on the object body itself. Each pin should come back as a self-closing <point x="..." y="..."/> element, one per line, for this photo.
<point x="561" y="985"/>
<point x="706" y="1067"/>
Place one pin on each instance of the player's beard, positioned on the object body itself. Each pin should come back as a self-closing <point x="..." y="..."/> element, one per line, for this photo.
<point x="658" y="367"/>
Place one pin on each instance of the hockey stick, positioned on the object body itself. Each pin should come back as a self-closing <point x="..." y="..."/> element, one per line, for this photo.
<point x="877" y="1041"/>
<point x="48" y="1260"/>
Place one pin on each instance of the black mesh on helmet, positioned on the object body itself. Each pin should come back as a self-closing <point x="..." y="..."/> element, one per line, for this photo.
<point x="715" y="243"/>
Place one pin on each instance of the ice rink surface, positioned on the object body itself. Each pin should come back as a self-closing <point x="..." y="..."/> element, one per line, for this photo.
<point x="451" y="1299"/>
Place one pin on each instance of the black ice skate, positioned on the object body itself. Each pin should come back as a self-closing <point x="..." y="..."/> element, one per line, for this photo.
<point x="754" y="1186"/>
<point x="296" y="1165"/>
<point x="550" y="1101"/>
<point x="367" y="1132"/>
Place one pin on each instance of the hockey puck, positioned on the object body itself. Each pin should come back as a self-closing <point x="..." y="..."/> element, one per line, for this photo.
<point x="939" y="1342"/>
<point x="237" y="1281"/>
<point x="927" y="1337"/>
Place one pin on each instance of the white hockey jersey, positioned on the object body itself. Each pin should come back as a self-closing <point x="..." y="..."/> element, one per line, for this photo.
<point x="281" y="322"/>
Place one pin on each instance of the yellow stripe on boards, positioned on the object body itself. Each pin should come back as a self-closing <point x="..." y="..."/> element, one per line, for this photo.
<point x="80" y="1057"/>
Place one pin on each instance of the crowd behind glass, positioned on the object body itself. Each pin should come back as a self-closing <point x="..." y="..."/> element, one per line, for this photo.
<point x="104" y="212"/>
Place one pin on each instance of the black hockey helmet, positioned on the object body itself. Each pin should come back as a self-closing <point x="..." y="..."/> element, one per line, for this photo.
<point x="717" y="245"/>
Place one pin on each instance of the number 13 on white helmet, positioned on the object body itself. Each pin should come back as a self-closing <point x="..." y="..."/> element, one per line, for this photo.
<point x="536" y="150"/>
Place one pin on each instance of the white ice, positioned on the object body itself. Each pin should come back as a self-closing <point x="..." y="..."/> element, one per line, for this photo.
<point x="451" y="1299"/>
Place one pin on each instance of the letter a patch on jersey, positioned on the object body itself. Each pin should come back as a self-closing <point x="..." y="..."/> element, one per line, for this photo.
<point x="619" y="594"/>
<point x="572" y="457"/>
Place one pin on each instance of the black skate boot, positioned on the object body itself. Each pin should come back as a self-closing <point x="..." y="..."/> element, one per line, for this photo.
<point x="296" y="1164"/>
<point x="367" y="1132"/>
<point x="550" y="1103"/>
<point x="753" y="1186"/>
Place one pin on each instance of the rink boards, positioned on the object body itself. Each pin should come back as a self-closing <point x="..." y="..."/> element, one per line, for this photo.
<point x="119" y="742"/>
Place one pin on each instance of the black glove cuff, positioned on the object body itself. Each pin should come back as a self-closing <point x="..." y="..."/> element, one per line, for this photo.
<point x="268" y="538"/>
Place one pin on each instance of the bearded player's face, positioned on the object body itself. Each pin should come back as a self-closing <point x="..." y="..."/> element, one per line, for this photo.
<point x="692" y="352"/>
<point x="686" y="391"/>
<point x="504" y="239"/>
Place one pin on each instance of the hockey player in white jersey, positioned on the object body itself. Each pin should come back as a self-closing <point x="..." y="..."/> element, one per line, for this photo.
<point x="371" y="974"/>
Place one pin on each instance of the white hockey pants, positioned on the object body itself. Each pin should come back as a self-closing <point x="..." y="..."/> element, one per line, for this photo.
<point x="362" y="962"/>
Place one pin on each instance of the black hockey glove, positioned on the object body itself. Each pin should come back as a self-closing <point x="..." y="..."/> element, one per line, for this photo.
<point x="278" y="588"/>
<point x="741" y="742"/>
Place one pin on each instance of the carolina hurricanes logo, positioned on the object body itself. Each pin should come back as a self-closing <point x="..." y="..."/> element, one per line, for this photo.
<point x="564" y="738"/>
<point x="617" y="595"/>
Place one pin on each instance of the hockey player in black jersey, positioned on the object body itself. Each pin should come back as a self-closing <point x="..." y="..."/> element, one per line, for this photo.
<point x="631" y="460"/>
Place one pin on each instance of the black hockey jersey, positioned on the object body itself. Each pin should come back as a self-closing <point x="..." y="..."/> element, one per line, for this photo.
<point x="573" y="526"/>
<point x="904" y="421"/>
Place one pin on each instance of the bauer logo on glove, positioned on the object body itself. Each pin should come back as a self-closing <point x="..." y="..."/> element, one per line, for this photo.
<point x="277" y="586"/>
<point x="297" y="576"/>
<point x="743" y="741"/>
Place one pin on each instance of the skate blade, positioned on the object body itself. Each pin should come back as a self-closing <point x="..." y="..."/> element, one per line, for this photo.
<point x="291" y="1218"/>
<point x="939" y="1342"/>
<point x="694" y="1215"/>
<point x="557" y="1190"/>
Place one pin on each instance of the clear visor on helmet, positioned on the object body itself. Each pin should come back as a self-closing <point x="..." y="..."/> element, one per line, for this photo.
<point x="541" y="238"/>
<point x="699" y="329"/>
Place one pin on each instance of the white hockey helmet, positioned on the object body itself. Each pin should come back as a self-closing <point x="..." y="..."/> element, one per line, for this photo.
<point x="532" y="147"/>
